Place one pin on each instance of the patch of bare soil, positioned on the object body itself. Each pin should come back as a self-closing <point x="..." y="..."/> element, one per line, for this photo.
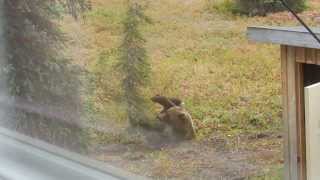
<point x="216" y="158"/>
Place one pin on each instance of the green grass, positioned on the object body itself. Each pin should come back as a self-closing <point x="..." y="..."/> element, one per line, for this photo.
<point x="275" y="173"/>
<point x="202" y="57"/>
<point x="232" y="87"/>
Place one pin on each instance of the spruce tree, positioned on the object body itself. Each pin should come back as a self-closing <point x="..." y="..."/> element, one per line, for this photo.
<point x="41" y="80"/>
<point x="134" y="64"/>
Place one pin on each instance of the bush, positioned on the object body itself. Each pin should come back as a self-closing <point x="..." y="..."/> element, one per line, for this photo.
<point x="225" y="6"/>
<point x="255" y="7"/>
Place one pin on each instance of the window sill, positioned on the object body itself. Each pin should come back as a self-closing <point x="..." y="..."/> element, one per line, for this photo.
<point x="24" y="158"/>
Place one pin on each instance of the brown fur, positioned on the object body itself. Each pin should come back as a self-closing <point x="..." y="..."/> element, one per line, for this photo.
<point x="175" y="116"/>
<point x="166" y="102"/>
<point x="181" y="122"/>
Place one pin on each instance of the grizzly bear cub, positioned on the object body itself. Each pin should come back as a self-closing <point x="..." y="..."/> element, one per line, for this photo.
<point x="175" y="116"/>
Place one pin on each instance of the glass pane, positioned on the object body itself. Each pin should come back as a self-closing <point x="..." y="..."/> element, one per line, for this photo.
<point x="167" y="89"/>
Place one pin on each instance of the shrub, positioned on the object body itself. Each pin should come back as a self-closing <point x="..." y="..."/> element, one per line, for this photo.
<point x="226" y="6"/>
<point x="256" y="7"/>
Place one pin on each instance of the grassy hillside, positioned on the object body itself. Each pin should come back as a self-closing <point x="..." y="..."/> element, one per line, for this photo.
<point x="199" y="56"/>
<point x="199" y="53"/>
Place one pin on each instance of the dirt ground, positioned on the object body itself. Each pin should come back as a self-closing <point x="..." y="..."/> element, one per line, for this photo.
<point x="215" y="158"/>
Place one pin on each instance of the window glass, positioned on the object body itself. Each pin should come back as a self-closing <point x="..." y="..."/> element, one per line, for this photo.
<point x="167" y="89"/>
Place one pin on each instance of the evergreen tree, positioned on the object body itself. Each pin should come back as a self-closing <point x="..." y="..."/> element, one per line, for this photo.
<point x="42" y="81"/>
<point x="134" y="64"/>
<point x="263" y="7"/>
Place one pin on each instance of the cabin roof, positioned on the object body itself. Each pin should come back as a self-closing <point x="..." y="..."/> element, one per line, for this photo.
<point x="292" y="36"/>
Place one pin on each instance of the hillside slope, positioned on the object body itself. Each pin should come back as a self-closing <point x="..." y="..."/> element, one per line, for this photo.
<point x="231" y="87"/>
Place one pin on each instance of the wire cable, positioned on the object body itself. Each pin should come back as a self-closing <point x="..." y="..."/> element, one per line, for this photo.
<point x="300" y="20"/>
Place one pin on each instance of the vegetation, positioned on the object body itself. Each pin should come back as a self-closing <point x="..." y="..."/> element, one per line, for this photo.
<point x="191" y="51"/>
<point x="219" y="84"/>
<point x="43" y="83"/>
<point x="255" y="7"/>
<point x="134" y="65"/>
<point x="230" y="86"/>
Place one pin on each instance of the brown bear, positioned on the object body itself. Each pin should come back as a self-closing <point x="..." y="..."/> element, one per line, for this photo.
<point x="175" y="116"/>
<point x="166" y="102"/>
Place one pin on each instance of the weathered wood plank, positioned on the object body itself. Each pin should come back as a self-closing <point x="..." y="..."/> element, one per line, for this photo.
<point x="311" y="56"/>
<point x="301" y="135"/>
<point x="300" y="54"/>
<point x="307" y="55"/>
<point x="318" y="57"/>
<point x="286" y="141"/>
<point x="292" y="112"/>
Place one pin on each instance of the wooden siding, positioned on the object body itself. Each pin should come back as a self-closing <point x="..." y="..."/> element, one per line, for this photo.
<point x="293" y="113"/>
<point x="307" y="55"/>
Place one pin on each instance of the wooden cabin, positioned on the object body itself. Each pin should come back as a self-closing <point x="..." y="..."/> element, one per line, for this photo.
<point x="300" y="70"/>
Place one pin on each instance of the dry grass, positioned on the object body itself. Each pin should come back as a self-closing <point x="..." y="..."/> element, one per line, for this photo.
<point x="203" y="58"/>
<point x="230" y="86"/>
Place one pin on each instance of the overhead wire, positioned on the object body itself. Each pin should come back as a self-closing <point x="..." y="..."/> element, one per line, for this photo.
<point x="286" y="5"/>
